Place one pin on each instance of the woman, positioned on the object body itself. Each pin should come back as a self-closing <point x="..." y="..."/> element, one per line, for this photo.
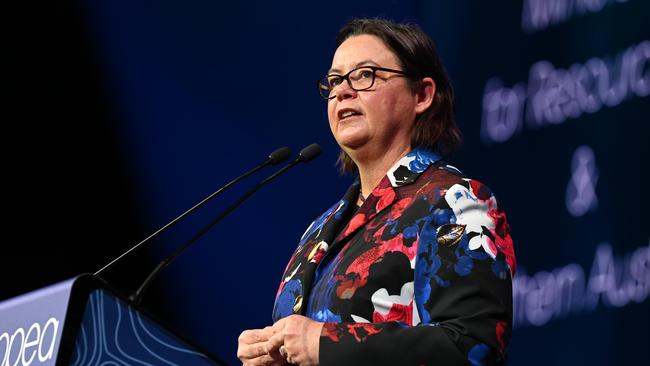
<point x="414" y="265"/>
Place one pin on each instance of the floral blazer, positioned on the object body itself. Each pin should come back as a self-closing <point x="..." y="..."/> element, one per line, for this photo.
<point x="420" y="274"/>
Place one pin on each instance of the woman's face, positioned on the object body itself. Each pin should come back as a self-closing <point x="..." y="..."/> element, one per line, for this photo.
<point x="384" y="114"/>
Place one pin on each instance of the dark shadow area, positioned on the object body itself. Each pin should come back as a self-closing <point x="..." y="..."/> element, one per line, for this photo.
<point x="68" y="205"/>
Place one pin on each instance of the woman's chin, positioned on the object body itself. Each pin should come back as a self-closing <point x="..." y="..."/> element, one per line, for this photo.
<point x="352" y="142"/>
<point x="352" y="137"/>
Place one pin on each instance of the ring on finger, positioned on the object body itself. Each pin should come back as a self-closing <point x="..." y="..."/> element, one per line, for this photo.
<point x="283" y="352"/>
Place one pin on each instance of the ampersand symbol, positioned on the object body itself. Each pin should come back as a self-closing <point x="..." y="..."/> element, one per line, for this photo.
<point x="581" y="190"/>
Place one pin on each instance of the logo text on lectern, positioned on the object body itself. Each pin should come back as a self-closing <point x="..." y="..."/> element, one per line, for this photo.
<point x="24" y="347"/>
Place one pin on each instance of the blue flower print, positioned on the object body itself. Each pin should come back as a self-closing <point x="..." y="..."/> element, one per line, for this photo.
<point x="423" y="158"/>
<point x="477" y="354"/>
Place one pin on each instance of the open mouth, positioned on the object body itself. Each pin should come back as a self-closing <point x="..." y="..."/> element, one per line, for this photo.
<point x="347" y="113"/>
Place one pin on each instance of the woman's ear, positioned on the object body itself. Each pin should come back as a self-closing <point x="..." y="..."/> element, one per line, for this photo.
<point x="424" y="95"/>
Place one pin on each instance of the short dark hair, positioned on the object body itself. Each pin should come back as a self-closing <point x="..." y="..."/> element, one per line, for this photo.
<point x="436" y="127"/>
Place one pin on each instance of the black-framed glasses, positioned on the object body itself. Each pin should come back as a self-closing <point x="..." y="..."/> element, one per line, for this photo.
<point x="361" y="78"/>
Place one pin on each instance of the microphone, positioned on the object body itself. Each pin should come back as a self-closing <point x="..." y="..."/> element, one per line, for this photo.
<point x="307" y="154"/>
<point x="276" y="157"/>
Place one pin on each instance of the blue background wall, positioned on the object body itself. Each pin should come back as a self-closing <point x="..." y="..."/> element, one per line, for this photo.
<point x="149" y="106"/>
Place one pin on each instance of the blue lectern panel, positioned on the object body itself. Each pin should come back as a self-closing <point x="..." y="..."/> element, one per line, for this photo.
<point x="114" y="333"/>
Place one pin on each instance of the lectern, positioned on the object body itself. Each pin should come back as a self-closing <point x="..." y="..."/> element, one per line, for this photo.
<point x="82" y="321"/>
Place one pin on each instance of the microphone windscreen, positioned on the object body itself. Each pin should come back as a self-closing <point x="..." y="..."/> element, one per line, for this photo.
<point x="279" y="155"/>
<point x="310" y="152"/>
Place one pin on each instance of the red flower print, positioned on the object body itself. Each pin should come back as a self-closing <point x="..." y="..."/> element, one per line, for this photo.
<point x="361" y="331"/>
<point x="481" y="191"/>
<point x="356" y="221"/>
<point x="502" y="238"/>
<point x="500" y="332"/>
<point x="386" y="197"/>
<point x="398" y="312"/>
<point x="348" y="286"/>
<point x="332" y="331"/>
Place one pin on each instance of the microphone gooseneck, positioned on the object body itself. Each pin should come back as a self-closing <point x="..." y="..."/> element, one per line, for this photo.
<point x="274" y="158"/>
<point x="306" y="155"/>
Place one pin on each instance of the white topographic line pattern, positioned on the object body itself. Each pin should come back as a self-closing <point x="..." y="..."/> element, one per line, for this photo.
<point x="112" y="333"/>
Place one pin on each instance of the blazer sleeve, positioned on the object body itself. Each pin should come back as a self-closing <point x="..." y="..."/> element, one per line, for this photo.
<point x="462" y="290"/>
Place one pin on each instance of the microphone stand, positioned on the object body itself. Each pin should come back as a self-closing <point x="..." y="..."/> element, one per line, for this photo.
<point x="274" y="158"/>
<point x="306" y="155"/>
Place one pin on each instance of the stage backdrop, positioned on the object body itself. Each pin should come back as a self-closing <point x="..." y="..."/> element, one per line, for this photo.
<point x="552" y="98"/>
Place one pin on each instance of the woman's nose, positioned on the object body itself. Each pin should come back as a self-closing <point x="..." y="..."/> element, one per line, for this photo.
<point x="345" y="91"/>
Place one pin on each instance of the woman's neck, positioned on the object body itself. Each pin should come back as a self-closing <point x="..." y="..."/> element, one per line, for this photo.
<point x="373" y="170"/>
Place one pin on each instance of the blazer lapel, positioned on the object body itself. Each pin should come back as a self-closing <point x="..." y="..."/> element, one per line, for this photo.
<point x="381" y="197"/>
<point x="332" y="225"/>
<point x="321" y="236"/>
<point x="402" y="173"/>
<point x="314" y="244"/>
